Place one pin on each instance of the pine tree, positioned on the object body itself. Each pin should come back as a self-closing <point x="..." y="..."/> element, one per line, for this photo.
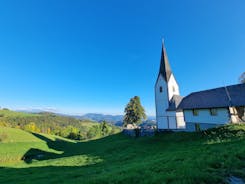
<point x="134" y="112"/>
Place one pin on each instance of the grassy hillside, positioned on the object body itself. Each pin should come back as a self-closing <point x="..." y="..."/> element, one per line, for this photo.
<point x="54" y="124"/>
<point x="14" y="143"/>
<point x="16" y="135"/>
<point x="205" y="157"/>
<point x="9" y="113"/>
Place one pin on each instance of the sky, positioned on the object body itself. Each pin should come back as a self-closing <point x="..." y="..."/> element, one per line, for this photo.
<point x="92" y="56"/>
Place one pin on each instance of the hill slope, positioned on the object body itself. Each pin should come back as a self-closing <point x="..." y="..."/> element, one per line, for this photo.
<point x="14" y="143"/>
<point x="206" y="157"/>
<point x="9" y="135"/>
<point x="54" y="124"/>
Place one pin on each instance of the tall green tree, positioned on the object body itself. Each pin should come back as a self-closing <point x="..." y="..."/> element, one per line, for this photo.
<point x="134" y="112"/>
<point x="105" y="128"/>
<point x="242" y="78"/>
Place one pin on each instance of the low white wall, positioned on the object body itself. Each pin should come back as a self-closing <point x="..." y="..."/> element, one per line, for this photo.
<point x="204" y="116"/>
<point x="172" y="120"/>
<point x="180" y="120"/>
<point x="162" y="123"/>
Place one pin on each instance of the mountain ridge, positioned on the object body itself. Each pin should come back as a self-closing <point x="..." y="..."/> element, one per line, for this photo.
<point x="98" y="117"/>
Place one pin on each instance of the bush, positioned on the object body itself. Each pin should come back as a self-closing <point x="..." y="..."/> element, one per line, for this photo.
<point x="3" y="137"/>
<point x="31" y="127"/>
<point x="74" y="136"/>
<point x="93" y="132"/>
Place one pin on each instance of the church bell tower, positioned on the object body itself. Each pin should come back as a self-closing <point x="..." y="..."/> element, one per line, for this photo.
<point x="167" y="97"/>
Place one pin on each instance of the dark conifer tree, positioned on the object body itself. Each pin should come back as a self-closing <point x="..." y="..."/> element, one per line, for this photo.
<point x="134" y="112"/>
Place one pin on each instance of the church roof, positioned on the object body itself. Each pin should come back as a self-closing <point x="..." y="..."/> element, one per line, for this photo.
<point x="174" y="102"/>
<point x="165" y="69"/>
<point x="219" y="97"/>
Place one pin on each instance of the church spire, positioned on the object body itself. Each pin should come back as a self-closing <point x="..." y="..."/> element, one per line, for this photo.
<point x="165" y="69"/>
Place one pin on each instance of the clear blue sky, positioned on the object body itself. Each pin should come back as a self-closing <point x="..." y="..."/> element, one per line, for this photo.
<point x="93" y="56"/>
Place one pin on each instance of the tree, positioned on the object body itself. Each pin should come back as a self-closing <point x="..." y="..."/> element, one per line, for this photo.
<point x="134" y="112"/>
<point x="94" y="132"/>
<point x="105" y="128"/>
<point x="31" y="127"/>
<point x="242" y="78"/>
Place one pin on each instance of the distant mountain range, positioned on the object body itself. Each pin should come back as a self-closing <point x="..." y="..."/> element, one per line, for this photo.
<point x="113" y="119"/>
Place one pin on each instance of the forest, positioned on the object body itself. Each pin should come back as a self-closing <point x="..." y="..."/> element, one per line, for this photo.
<point x="50" y="123"/>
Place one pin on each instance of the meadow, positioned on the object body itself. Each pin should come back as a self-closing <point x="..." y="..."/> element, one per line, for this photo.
<point x="201" y="157"/>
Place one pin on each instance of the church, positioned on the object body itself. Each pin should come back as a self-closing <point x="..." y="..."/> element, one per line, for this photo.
<point x="199" y="110"/>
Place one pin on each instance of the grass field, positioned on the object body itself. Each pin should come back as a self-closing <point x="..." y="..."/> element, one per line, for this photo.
<point x="207" y="157"/>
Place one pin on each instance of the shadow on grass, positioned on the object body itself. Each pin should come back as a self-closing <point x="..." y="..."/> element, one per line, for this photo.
<point x="102" y="147"/>
<point x="67" y="148"/>
<point x="128" y="160"/>
<point x="48" y="174"/>
<point x="77" y="160"/>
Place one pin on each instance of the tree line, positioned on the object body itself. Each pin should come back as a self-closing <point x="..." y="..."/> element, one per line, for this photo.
<point x="63" y="126"/>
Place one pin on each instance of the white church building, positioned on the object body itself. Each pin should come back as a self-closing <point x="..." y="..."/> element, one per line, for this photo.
<point x="199" y="110"/>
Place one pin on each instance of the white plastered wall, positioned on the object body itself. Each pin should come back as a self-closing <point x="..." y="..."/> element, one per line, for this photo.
<point x="173" y="87"/>
<point x="161" y="101"/>
<point x="167" y="119"/>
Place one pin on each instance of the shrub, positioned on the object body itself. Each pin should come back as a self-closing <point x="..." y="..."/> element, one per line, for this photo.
<point x="74" y="136"/>
<point x="31" y="127"/>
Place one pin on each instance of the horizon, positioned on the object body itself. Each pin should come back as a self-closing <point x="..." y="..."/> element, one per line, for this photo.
<point x="92" y="56"/>
<point x="62" y="113"/>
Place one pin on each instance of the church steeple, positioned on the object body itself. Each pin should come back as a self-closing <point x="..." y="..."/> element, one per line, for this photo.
<point x="165" y="69"/>
<point x="167" y="96"/>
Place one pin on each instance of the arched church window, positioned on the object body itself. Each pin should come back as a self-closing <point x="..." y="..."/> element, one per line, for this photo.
<point x="160" y="89"/>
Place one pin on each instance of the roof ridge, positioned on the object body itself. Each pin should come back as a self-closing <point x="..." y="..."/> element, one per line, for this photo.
<point x="211" y="89"/>
<point x="216" y="97"/>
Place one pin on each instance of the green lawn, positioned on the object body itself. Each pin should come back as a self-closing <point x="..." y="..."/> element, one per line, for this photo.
<point x="208" y="157"/>
<point x="17" y="142"/>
